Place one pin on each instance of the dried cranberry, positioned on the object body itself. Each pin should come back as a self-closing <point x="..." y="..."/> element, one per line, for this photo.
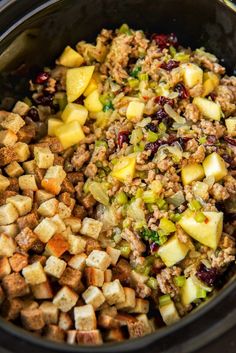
<point x="151" y="127"/>
<point x="161" y="114"/>
<point x="230" y="140"/>
<point x="164" y="100"/>
<point x="42" y="78"/>
<point x="211" y="140"/>
<point x="173" y="40"/>
<point x="183" y="140"/>
<point x="123" y="137"/>
<point x="181" y="89"/>
<point x="153" y="146"/>
<point x="213" y="96"/>
<point x="45" y="99"/>
<point x="165" y="40"/>
<point x="153" y="247"/>
<point x="33" y="114"/>
<point x="207" y="275"/>
<point x="227" y="158"/>
<point x="170" y="65"/>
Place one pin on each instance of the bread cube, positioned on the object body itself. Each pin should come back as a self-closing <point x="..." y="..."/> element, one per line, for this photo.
<point x="114" y="335"/>
<point x="48" y="208"/>
<point x="140" y="328"/>
<point x="22" y="151"/>
<point x="8" y="214"/>
<point x="13" y="122"/>
<point x="114" y="254"/>
<point x="93" y="337"/>
<point x="78" y="262"/>
<point x="20" y="108"/>
<point x="42" y="291"/>
<point x="28" y="182"/>
<point x="54" y="333"/>
<point x="5" y="268"/>
<point x="32" y="319"/>
<point x="85" y="318"/>
<point x="7" y="245"/>
<point x="71" y="336"/>
<point x="57" y="245"/>
<point x="10" y="229"/>
<point x="65" y="322"/>
<point x="129" y="302"/>
<point x="55" y="172"/>
<point x="10" y="309"/>
<point x="141" y="306"/>
<point x="94" y="296"/>
<point x="76" y="244"/>
<point x="15" y="285"/>
<point x="43" y="157"/>
<point x="14" y="169"/>
<point x="107" y="275"/>
<point x="98" y="259"/>
<point x="71" y="278"/>
<point x="45" y="230"/>
<point x="94" y="276"/>
<point x="50" y="312"/>
<point x="91" y="227"/>
<point x="65" y="299"/>
<point x="113" y="292"/>
<point x="4" y="183"/>
<point x="8" y="138"/>
<point x="23" y="204"/>
<point x="55" y="267"/>
<point x="18" y="262"/>
<point x="74" y="224"/>
<point x="63" y="210"/>
<point x="34" y="274"/>
<point x="29" y="166"/>
<point x="59" y="223"/>
<point x="135" y="111"/>
<point x="26" y="239"/>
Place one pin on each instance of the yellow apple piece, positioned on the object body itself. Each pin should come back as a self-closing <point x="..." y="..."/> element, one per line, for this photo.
<point x="207" y="232"/>
<point x="124" y="169"/>
<point x="92" y="102"/>
<point x="231" y="126"/>
<point x="70" y="58"/>
<point x="209" y="109"/>
<point x="192" y="172"/>
<point x="172" y="251"/>
<point x="91" y="87"/>
<point x="135" y="111"/>
<point x="77" y="80"/>
<point x="211" y="81"/>
<point x="70" y="134"/>
<point x="73" y="112"/>
<point x="214" y="165"/>
<point x="169" y="313"/>
<point x="53" y="124"/>
<point x="191" y="291"/>
<point x="192" y="74"/>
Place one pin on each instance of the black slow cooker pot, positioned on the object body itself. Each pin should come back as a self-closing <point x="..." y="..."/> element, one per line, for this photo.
<point x="34" y="33"/>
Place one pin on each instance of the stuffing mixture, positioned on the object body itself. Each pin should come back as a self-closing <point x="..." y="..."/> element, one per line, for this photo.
<point x="117" y="189"/>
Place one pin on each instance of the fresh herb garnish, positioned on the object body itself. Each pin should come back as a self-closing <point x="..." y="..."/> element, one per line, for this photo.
<point x="153" y="236"/>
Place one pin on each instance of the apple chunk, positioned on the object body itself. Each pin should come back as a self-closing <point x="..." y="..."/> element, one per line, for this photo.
<point x="192" y="172"/>
<point x="211" y="81"/>
<point x="53" y="124"/>
<point x="214" y="165"/>
<point x="124" y="169"/>
<point x="172" y="251"/>
<point x="192" y="74"/>
<point x="209" y="109"/>
<point x="73" y="112"/>
<point x="70" y="58"/>
<point x="77" y="80"/>
<point x="231" y="126"/>
<point x="69" y="134"/>
<point x="169" y="313"/>
<point x="190" y="292"/>
<point x="92" y="102"/>
<point x="208" y="232"/>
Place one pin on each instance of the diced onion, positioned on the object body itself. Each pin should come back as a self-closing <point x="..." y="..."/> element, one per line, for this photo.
<point x="177" y="199"/>
<point x="173" y="114"/>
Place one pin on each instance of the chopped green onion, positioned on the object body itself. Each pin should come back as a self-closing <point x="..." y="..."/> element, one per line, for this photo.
<point x="152" y="136"/>
<point x="121" y="198"/>
<point x="100" y="143"/>
<point x="149" y="196"/>
<point x="200" y="217"/>
<point x="135" y="71"/>
<point x="179" y="281"/>
<point x="195" y="205"/>
<point x="124" y="29"/>
<point x="164" y="300"/>
<point x="167" y="226"/>
<point x="152" y="283"/>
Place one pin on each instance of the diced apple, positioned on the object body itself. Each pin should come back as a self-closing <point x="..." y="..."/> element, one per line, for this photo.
<point x="91" y="87"/>
<point x="70" y="58"/>
<point x="209" y="109"/>
<point x="124" y="169"/>
<point x="211" y="81"/>
<point x="92" y="102"/>
<point x="191" y="291"/>
<point x="77" y="80"/>
<point x="207" y="232"/>
<point x="192" y="172"/>
<point x="214" y="165"/>
<point x="70" y="134"/>
<point x="231" y="126"/>
<point x="169" y="313"/>
<point x="192" y="74"/>
<point x="135" y="111"/>
<point x="53" y="124"/>
<point x="172" y="251"/>
<point x="73" y="112"/>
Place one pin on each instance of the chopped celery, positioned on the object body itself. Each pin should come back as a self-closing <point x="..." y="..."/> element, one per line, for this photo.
<point x="183" y="57"/>
<point x="27" y="101"/>
<point x="149" y="196"/>
<point x="194" y="205"/>
<point x="124" y="248"/>
<point x="126" y="223"/>
<point x="162" y="127"/>
<point x="200" y="217"/>
<point x="114" y="161"/>
<point x="179" y="281"/>
<point x="152" y="136"/>
<point x="202" y="140"/>
<point x="133" y="82"/>
<point x="139" y="225"/>
<point x="87" y="185"/>
<point x="135" y="71"/>
<point x="143" y="269"/>
<point x="135" y="210"/>
<point x="167" y="226"/>
<point x="161" y="204"/>
<point x="201" y="293"/>
<point x="136" y="136"/>
<point x="152" y="283"/>
<point x="177" y="199"/>
<point x="143" y="77"/>
<point x="149" y="260"/>
<point x="175" y="217"/>
<point x="61" y="100"/>
<point x="164" y="300"/>
<point x="121" y="198"/>
<point x="100" y="143"/>
<point x="172" y="51"/>
<point x="124" y="29"/>
<point x="139" y="193"/>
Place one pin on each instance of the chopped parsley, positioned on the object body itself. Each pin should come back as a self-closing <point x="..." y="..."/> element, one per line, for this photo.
<point x="153" y="236"/>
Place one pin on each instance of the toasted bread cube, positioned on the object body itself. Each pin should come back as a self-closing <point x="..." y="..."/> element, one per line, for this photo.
<point x="42" y="291"/>
<point x="98" y="259"/>
<point x="7" y="245"/>
<point x="34" y="274"/>
<point x="55" y="267"/>
<point x="28" y="182"/>
<point x="65" y="322"/>
<point x="141" y="306"/>
<point x="76" y="244"/>
<point x="14" y="169"/>
<point x="94" y="276"/>
<point x="4" y="183"/>
<point x="32" y="319"/>
<point x="48" y="208"/>
<point x="78" y="262"/>
<point x="65" y="299"/>
<point x="11" y="309"/>
<point x="74" y="223"/>
<point x="129" y="302"/>
<point x="113" y="292"/>
<point x="54" y="333"/>
<point x="23" y="204"/>
<point x="30" y="220"/>
<point x="8" y="214"/>
<point x="94" y="296"/>
<point x="8" y="138"/>
<point x="85" y="318"/>
<point x="42" y="196"/>
<point x="5" y="268"/>
<point x="114" y="335"/>
<point x="71" y="336"/>
<point x="139" y="328"/>
<point x="10" y="229"/>
<point x="114" y="254"/>
<point x="61" y="227"/>
<point x="57" y="245"/>
<point x="20" y="108"/>
<point x="63" y="210"/>
<point x="50" y="312"/>
<point x="26" y="239"/>
<point x="22" y="151"/>
<point x="29" y="166"/>
<point x="91" y="227"/>
<point x="146" y="324"/>
<point x="93" y="337"/>
<point x="71" y="278"/>
<point x="55" y="172"/>
<point x="15" y="285"/>
<point x="107" y="275"/>
<point x="45" y="230"/>
<point x="43" y="157"/>
<point x="18" y="262"/>
<point x="13" y="122"/>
